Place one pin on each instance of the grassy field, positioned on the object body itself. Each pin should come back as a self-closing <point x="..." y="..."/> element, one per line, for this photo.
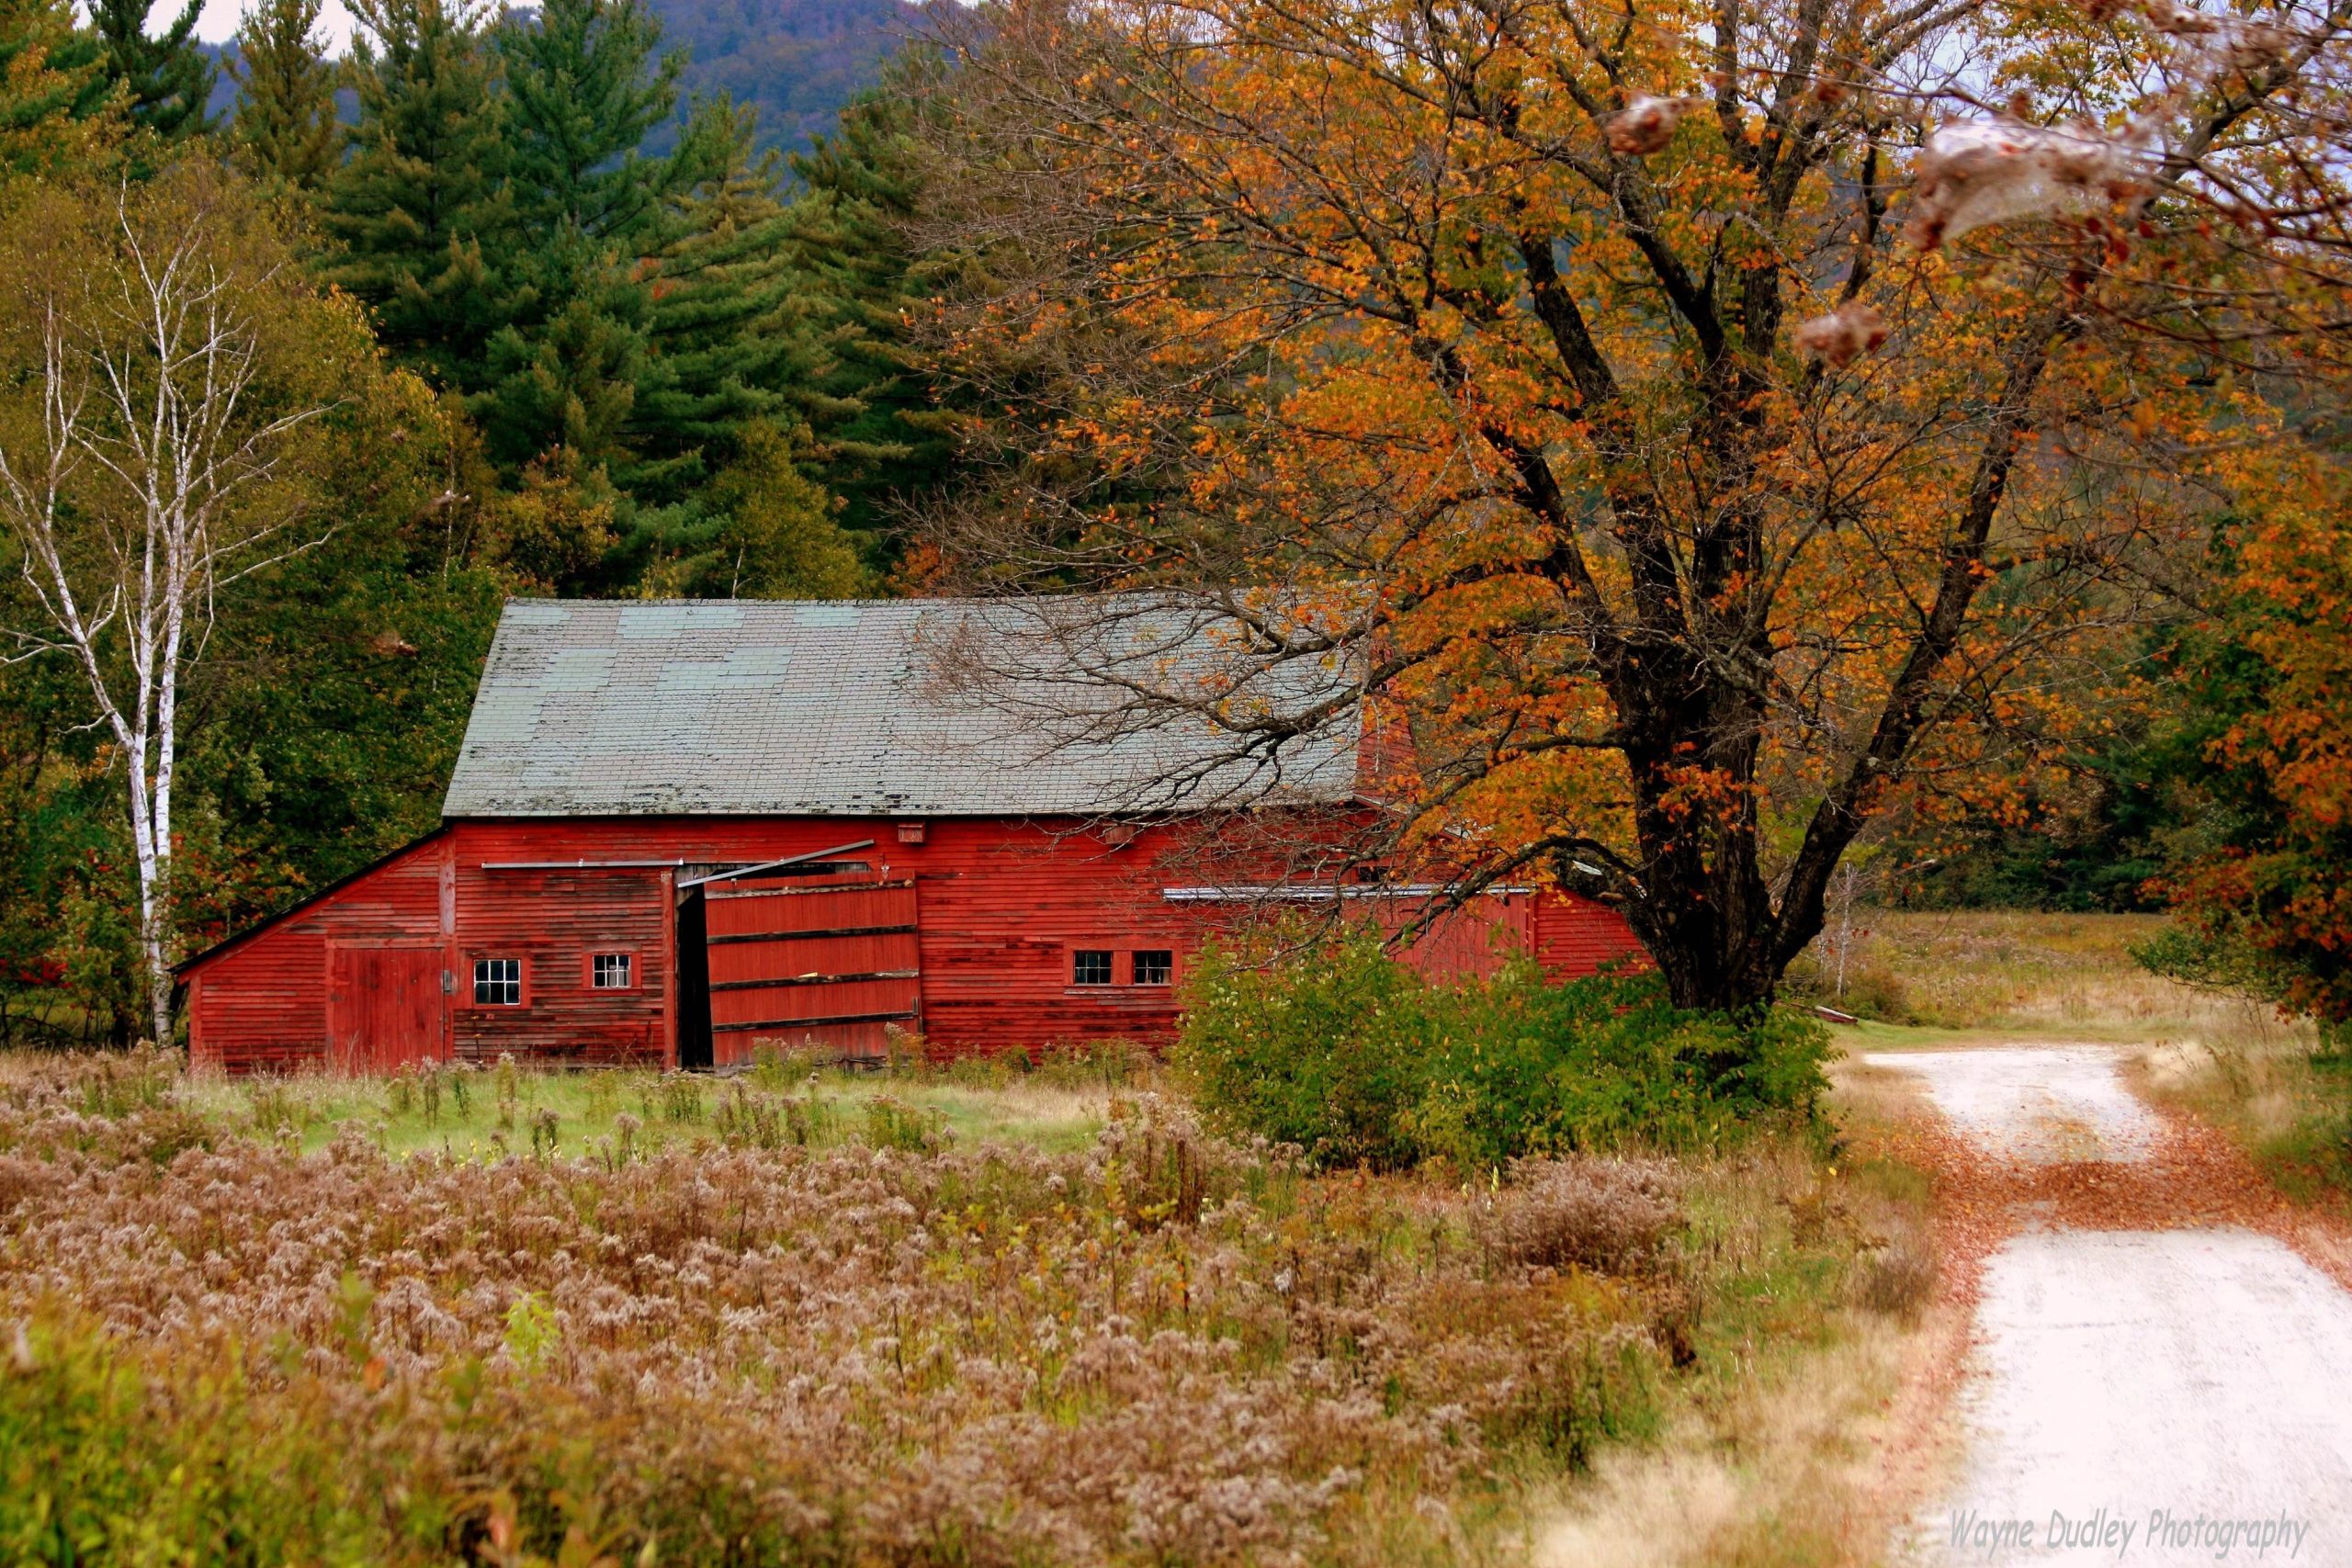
<point x="474" y="1115"/>
<point x="1927" y="977"/>
<point x="971" y="1317"/>
<point x="979" y="1316"/>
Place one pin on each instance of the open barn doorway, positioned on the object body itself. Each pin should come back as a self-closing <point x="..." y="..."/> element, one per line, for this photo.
<point x="691" y="965"/>
<point x="737" y="984"/>
<point x="828" y="968"/>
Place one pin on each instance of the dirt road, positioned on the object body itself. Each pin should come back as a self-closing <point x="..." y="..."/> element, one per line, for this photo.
<point x="2143" y="1396"/>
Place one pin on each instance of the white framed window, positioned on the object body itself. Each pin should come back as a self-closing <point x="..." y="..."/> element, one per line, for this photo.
<point x="1090" y="967"/>
<point x="1155" y="966"/>
<point x="612" y="971"/>
<point x="498" y="982"/>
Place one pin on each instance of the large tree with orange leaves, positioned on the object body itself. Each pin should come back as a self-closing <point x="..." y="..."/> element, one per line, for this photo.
<point x="1694" y="429"/>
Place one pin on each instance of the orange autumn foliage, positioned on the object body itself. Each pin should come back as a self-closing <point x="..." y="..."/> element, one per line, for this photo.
<point x="2266" y="893"/>
<point x="1465" y="348"/>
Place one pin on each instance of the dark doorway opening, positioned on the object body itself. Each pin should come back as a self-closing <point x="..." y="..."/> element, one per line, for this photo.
<point x="693" y="982"/>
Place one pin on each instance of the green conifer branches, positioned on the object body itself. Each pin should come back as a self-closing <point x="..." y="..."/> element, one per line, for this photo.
<point x="285" y="134"/>
<point x="165" y="79"/>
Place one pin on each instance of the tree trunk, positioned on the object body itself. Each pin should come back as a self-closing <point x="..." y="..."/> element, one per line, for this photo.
<point x="1706" y="915"/>
<point x="151" y="843"/>
<point x="156" y="941"/>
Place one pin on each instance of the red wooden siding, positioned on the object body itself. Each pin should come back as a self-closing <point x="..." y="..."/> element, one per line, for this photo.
<point x="1472" y="941"/>
<point x="1001" y="905"/>
<point x="1576" y="936"/>
<point x="833" y="966"/>
<point x="554" y="920"/>
<point x="262" y="1002"/>
<point x="386" y="1006"/>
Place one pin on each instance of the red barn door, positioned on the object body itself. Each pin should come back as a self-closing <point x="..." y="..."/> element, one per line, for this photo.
<point x="384" y="1007"/>
<point x="830" y="967"/>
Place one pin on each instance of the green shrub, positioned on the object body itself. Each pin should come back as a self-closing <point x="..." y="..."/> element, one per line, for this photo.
<point x="1348" y="1054"/>
<point x="1331" y="1054"/>
<point x="101" y="1462"/>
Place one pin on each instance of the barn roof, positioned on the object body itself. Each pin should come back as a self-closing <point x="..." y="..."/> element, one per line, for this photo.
<point x="902" y="708"/>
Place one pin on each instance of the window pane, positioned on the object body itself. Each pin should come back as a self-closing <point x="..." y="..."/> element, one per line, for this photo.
<point x="498" y="982"/>
<point x="1154" y="965"/>
<point x="1090" y="967"/>
<point x="612" y="971"/>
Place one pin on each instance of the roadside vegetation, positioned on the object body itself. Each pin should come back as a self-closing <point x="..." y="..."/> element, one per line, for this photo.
<point x="2007" y="971"/>
<point x="2218" y="1043"/>
<point x="2282" y="1089"/>
<point x="973" y="1313"/>
<point x="1349" y="1054"/>
<point x="1804" y="1448"/>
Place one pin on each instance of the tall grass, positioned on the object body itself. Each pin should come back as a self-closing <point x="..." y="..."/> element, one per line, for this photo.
<point x="2280" y="1093"/>
<point x="2010" y="971"/>
<point x="696" y="1337"/>
<point x="463" y="1112"/>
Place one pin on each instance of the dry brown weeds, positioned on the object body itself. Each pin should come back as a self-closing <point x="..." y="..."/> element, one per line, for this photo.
<point x="1805" y="1446"/>
<point x="1611" y="1214"/>
<point x="1165" y="1349"/>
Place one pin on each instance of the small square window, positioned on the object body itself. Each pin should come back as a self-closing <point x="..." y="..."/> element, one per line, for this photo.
<point x="1154" y="966"/>
<point x="1090" y="967"/>
<point x="612" y="972"/>
<point x="498" y="982"/>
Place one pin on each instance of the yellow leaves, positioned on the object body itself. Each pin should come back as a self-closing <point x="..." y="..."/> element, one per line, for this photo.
<point x="1297" y="219"/>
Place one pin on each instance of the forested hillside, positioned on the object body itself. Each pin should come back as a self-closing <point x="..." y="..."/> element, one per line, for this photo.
<point x="796" y="61"/>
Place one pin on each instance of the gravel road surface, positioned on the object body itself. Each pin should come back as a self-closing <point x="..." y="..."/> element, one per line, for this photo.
<point x="2139" y="1396"/>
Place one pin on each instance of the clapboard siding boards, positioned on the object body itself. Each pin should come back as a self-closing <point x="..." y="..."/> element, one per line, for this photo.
<point x="1000" y="909"/>
<point x="621" y="756"/>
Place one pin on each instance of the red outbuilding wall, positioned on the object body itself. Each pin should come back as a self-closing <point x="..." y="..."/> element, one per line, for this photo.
<point x="259" y="1003"/>
<point x="1001" y="907"/>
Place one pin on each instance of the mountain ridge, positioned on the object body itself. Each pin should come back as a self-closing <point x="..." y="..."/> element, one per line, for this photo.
<point x="798" y="61"/>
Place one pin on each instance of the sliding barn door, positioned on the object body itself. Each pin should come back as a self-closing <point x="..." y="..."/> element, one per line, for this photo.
<point x="828" y="967"/>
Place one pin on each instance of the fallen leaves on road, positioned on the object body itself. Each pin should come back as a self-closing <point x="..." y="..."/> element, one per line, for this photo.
<point x="2192" y="1176"/>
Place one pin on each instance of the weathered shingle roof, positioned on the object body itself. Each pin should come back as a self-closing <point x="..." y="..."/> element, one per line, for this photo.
<point x="915" y="707"/>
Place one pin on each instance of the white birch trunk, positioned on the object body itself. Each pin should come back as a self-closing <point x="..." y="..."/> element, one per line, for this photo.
<point x="125" y="505"/>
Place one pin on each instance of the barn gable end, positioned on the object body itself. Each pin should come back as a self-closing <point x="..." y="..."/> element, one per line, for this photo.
<point x="262" y="999"/>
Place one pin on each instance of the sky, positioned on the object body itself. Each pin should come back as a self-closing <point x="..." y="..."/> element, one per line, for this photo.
<point x="218" y="22"/>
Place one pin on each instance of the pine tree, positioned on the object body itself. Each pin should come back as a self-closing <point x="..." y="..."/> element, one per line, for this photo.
<point x="762" y="528"/>
<point x="583" y="90"/>
<point x="568" y="385"/>
<point x="732" y="337"/>
<point x="55" y="98"/>
<point x="285" y="133"/>
<point x="860" y="187"/>
<point x="420" y="207"/>
<point x="167" y="80"/>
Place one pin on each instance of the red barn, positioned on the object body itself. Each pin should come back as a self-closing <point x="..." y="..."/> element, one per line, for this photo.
<point x="678" y="830"/>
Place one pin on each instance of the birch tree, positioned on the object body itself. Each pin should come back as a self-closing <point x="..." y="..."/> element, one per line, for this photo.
<point x="167" y="375"/>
